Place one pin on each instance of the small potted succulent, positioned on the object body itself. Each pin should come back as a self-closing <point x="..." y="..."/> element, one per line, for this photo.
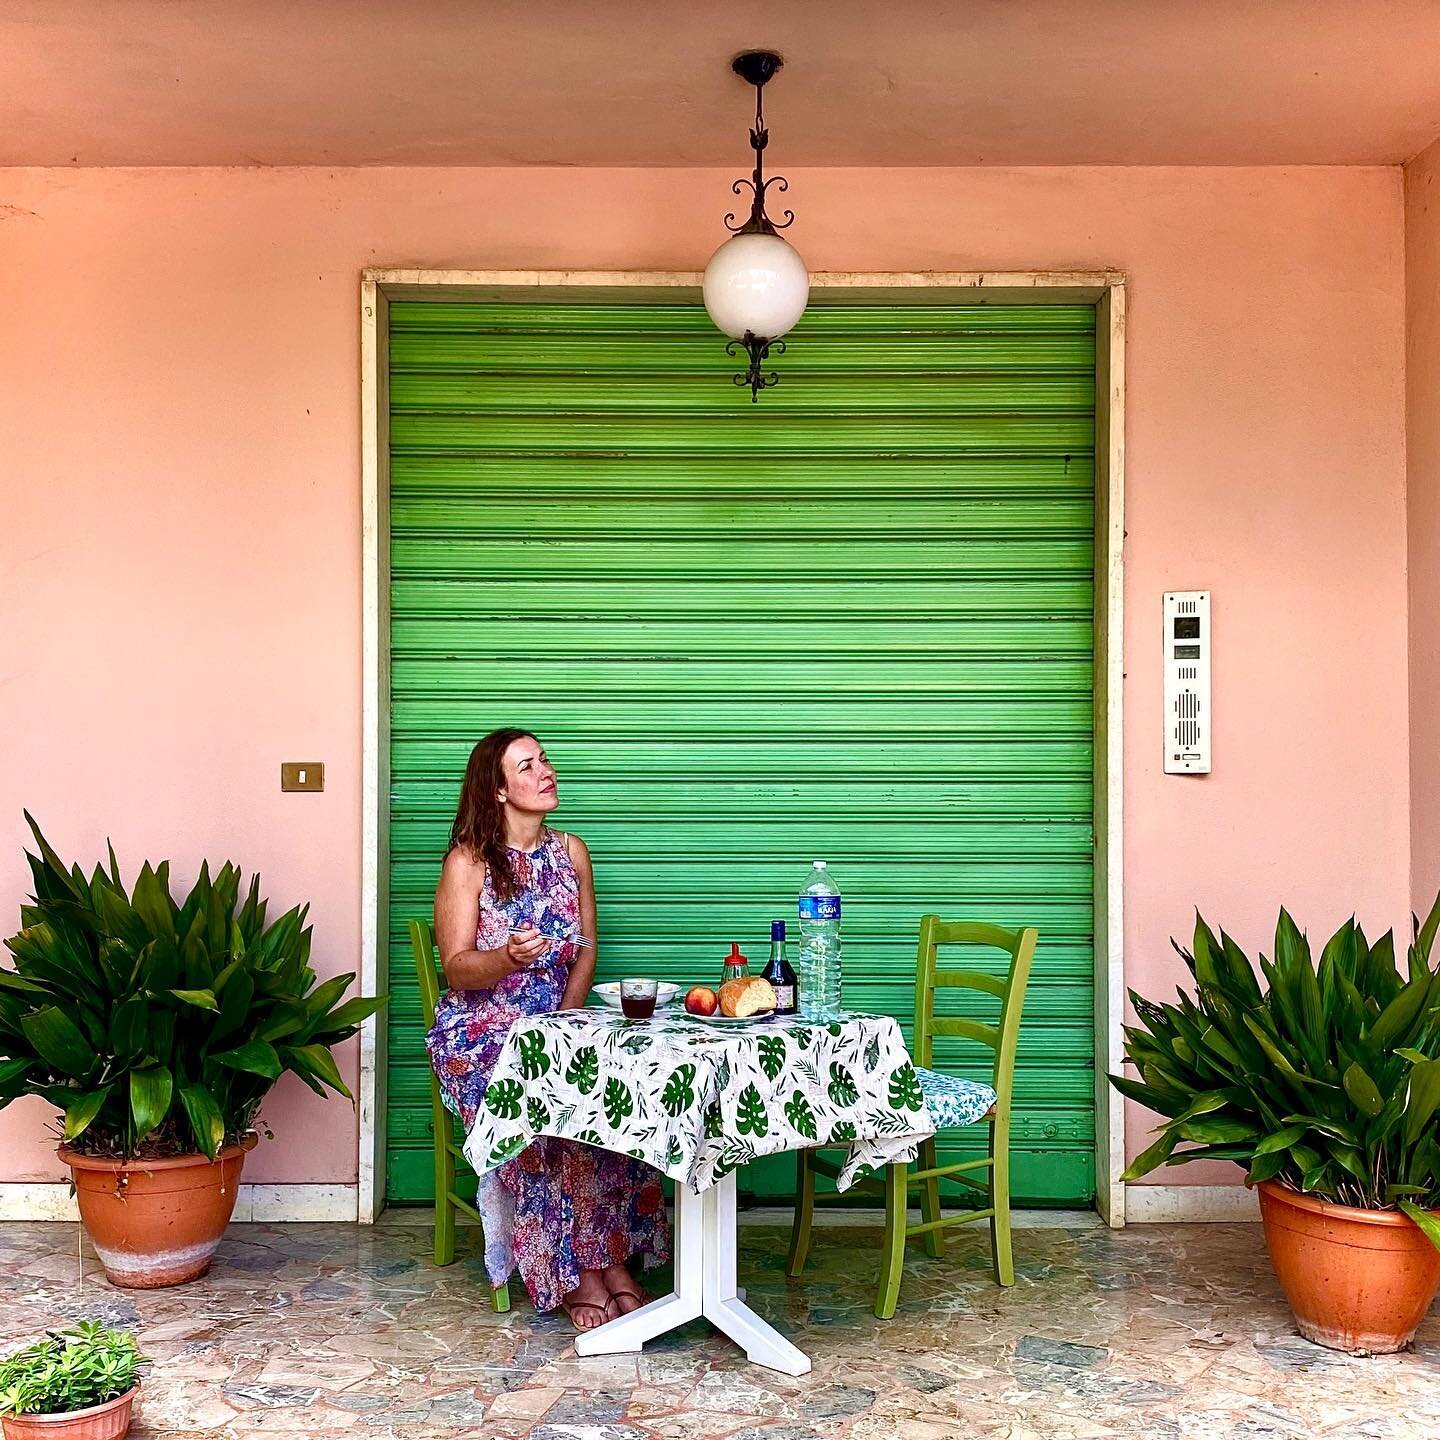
<point x="1323" y="1080"/>
<point x="79" y="1384"/>
<point x="156" y="1028"/>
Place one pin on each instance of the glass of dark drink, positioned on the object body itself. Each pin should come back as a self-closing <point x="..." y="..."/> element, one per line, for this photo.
<point x="637" y="998"/>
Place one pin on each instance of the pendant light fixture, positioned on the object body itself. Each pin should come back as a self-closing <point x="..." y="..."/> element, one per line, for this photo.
<point x="756" y="285"/>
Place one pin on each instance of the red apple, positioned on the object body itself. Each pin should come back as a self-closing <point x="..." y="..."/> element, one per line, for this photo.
<point x="701" y="1000"/>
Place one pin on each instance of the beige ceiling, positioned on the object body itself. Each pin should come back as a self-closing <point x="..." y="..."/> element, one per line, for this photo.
<point x="646" y="82"/>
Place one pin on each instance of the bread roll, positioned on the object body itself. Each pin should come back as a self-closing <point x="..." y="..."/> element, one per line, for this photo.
<point x="751" y="996"/>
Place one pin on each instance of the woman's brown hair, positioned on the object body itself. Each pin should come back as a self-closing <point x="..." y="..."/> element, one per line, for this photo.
<point x="480" y="818"/>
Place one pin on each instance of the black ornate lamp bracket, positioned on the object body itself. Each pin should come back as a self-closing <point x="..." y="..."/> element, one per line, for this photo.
<point x="759" y="350"/>
<point x="756" y="67"/>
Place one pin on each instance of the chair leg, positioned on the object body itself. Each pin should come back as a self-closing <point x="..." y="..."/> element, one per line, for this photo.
<point x="804" y="1213"/>
<point x="892" y="1250"/>
<point x="444" y="1210"/>
<point x="1000" y="1251"/>
<point x="930" y="1201"/>
<point x="500" y="1298"/>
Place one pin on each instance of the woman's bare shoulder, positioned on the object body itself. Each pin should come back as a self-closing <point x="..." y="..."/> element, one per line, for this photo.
<point x="577" y="850"/>
<point x="461" y="868"/>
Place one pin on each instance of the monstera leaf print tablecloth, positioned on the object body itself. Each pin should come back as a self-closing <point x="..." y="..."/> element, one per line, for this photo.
<point x="697" y="1100"/>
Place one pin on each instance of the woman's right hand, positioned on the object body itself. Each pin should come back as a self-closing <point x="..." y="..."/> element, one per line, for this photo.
<point x="525" y="946"/>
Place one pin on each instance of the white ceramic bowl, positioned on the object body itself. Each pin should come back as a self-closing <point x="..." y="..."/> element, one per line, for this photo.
<point x="609" y="993"/>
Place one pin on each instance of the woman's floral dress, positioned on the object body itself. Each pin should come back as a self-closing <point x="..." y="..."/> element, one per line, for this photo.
<point x="559" y="1207"/>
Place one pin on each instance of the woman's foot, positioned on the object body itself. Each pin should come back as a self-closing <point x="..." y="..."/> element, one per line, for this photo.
<point x="626" y="1294"/>
<point x="589" y="1304"/>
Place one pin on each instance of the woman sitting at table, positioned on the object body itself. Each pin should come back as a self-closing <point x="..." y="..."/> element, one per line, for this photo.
<point x="514" y="903"/>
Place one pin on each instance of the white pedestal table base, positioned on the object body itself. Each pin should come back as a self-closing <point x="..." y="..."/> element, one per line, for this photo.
<point x="704" y="1245"/>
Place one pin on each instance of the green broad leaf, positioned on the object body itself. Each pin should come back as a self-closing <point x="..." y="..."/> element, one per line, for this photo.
<point x="771" y="1054"/>
<point x="1162" y="1102"/>
<point x="56" y="866"/>
<point x="83" y="1109"/>
<point x="320" y="999"/>
<point x="1265" y="1167"/>
<point x="257" y="1057"/>
<point x="618" y="1101"/>
<point x="799" y="1114"/>
<point x="1203" y="1104"/>
<point x="1363" y="1090"/>
<point x="1216" y="1130"/>
<point x="1415" y="1057"/>
<point x="750" y="1116"/>
<point x="534" y="1056"/>
<point x="285" y="1020"/>
<point x="352" y="1013"/>
<point x="1336" y="1129"/>
<point x="9" y="980"/>
<point x="1314" y="1177"/>
<point x="59" y="1042"/>
<point x="235" y="998"/>
<point x="206" y="1122"/>
<point x="1280" y="1140"/>
<point x="12" y="1070"/>
<point x="151" y="901"/>
<point x="679" y="1092"/>
<point x="904" y="1091"/>
<point x="1423" y="1099"/>
<point x="583" y="1071"/>
<point x="1400" y="1014"/>
<point x="841" y="1089"/>
<point x="1429" y="1225"/>
<point x="201" y="999"/>
<point x="1349" y="1158"/>
<point x="151" y="1089"/>
<point x="316" y="1062"/>
<point x="1214" y="1041"/>
<point x="1152" y="1158"/>
<point x="1424" y="934"/>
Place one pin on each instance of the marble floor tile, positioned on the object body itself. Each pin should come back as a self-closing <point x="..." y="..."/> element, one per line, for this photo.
<point x="324" y="1331"/>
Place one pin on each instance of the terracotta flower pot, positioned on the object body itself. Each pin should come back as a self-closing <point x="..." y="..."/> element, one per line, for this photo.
<point x="99" y="1422"/>
<point x="157" y="1222"/>
<point x="1357" y="1280"/>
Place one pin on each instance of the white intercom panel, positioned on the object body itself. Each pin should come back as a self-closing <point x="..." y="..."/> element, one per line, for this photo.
<point x="1187" y="682"/>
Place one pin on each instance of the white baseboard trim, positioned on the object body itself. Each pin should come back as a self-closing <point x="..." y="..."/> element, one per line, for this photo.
<point x="1183" y="1204"/>
<point x="263" y="1203"/>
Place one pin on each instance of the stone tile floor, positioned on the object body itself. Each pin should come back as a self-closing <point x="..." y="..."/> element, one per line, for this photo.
<point x="1161" y="1332"/>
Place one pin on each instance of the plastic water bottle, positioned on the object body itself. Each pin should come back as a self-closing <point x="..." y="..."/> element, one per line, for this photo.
<point x="820" y="945"/>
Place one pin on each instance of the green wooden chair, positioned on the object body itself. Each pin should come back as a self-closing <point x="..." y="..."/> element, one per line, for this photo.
<point x="442" y="1122"/>
<point x="952" y="1102"/>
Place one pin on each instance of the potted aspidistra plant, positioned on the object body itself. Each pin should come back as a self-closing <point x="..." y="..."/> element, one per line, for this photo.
<point x="157" y="1028"/>
<point x="1323" y="1080"/>
<point x="80" y="1383"/>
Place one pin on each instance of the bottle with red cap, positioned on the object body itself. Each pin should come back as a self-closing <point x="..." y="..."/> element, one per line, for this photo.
<point x="736" y="966"/>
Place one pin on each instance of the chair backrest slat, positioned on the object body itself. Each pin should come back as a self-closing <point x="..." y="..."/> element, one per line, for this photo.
<point x="1003" y="1036"/>
<point x="422" y="941"/>
<point x="971" y="980"/>
<point x="963" y="1025"/>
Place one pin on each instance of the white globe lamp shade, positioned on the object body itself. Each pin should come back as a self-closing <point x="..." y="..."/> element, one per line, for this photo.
<point x="756" y="283"/>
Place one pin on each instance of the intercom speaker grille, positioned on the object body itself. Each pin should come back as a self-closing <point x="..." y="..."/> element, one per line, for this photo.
<point x="1188" y="719"/>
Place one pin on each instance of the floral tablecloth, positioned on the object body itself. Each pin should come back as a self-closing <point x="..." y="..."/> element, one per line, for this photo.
<point x="698" y="1100"/>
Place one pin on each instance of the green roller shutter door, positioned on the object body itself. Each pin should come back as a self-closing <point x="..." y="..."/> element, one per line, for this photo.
<point x="851" y="621"/>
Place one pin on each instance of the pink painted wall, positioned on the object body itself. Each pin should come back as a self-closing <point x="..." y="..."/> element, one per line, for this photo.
<point x="1422" y="444"/>
<point x="181" y="561"/>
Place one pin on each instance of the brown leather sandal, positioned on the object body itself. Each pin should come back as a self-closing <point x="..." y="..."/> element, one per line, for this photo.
<point x="639" y="1295"/>
<point x="608" y="1311"/>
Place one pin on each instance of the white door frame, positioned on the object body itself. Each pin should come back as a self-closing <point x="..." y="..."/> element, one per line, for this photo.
<point x="1103" y="289"/>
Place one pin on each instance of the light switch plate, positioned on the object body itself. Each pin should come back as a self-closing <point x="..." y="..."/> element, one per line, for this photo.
<point x="302" y="775"/>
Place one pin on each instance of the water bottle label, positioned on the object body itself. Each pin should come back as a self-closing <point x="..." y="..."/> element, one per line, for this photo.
<point x="819" y="907"/>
